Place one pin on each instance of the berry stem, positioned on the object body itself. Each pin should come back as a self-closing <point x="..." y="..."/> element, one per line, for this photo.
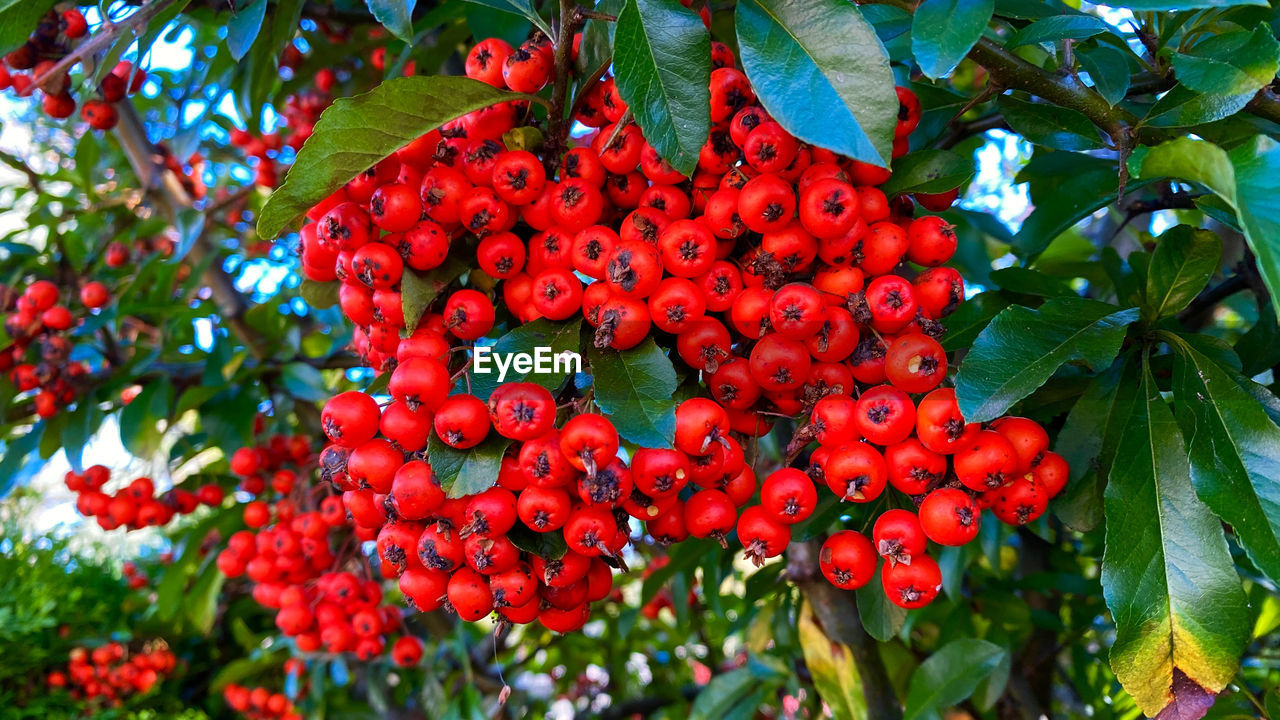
<point x="557" y="127"/>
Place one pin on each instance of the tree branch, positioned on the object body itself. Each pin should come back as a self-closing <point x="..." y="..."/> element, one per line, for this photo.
<point x="836" y="611"/>
<point x="166" y="193"/>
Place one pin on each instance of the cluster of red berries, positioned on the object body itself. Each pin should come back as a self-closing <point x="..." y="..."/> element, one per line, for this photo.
<point x="301" y="111"/>
<point x="259" y="703"/>
<point x="52" y="40"/>
<point x="109" y="674"/>
<point x="280" y="461"/>
<point x="948" y="469"/>
<point x="778" y="271"/>
<point x="39" y="358"/>
<point x="292" y="563"/>
<point x="134" y="506"/>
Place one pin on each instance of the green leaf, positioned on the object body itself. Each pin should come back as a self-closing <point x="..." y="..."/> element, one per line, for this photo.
<point x="1184" y="260"/>
<point x="597" y="38"/>
<point x="1022" y="348"/>
<point x="548" y="545"/>
<point x="418" y="290"/>
<point x="1149" y="5"/>
<point x="355" y="133"/>
<point x="1257" y="170"/>
<point x="18" y="18"/>
<point x="635" y="388"/>
<point x="1183" y="107"/>
<point x="319" y="295"/>
<point x="943" y="32"/>
<point x="1108" y="69"/>
<point x="517" y="7"/>
<point x="1195" y="160"/>
<point x="1231" y="63"/>
<point x="1058" y="27"/>
<point x="80" y="427"/>
<point x="527" y="338"/>
<point x="819" y="69"/>
<point x="1088" y="442"/>
<point x="835" y="675"/>
<point x="950" y="675"/>
<point x="395" y="15"/>
<point x="723" y="697"/>
<point x="1030" y="282"/>
<point x="202" y="602"/>
<point x="1247" y="179"/>
<point x="139" y="431"/>
<point x="243" y="28"/>
<point x="1234" y="450"/>
<point x="1064" y="188"/>
<point x="880" y="618"/>
<point x="971" y="318"/>
<point x="1053" y="126"/>
<point x="662" y="65"/>
<point x="1167" y="576"/>
<point x="467" y="472"/>
<point x="304" y="382"/>
<point x="929" y="171"/>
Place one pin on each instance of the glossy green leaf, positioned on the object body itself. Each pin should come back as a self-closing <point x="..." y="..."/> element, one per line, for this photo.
<point x="819" y="69"/>
<point x="244" y="26"/>
<point x="319" y="295"/>
<point x="395" y="15"/>
<point x="1108" y="70"/>
<point x="943" y="31"/>
<point x="1167" y="576"/>
<point x="1059" y="27"/>
<point x="1022" y="348"/>
<point x="517" y="7"/>
<point x="139" y="420"/>
<point x="1257" y="170"/>
<point x="1231" y="63"/>
<point x="1050" y="125"/>
<point x="1150" y="5"/>
<point x="830" y="662"/>
<point x="1184" y="260"/>
<point x="1247" y="179"/>
<point x="1183" y="107"/>
<point x="596" y="48"/>
<point x="418" y="290"/>
<point x="1065" y="188"/>
<point x="929" y="171"/>
<point x="880" y="618"/>
<point x="1234" y="450"/>
<point x="557" y="337"/>
<point x="355" y="133"/>
<point x="467" y="472"/>
<point x="1088" y="442"/>
<point x="662" y="66"/>
<point x="950" y="675"/>
<point x="635" y="388"/>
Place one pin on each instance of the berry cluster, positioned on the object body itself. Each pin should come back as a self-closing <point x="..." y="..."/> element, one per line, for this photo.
<point x="109" y="674"/>
<point x="39" y="358"/>
<point x="779" y="274"/>
<point x="53" y="39"/>
<point x="134" y="506"/>
<point x="292" y="562"/>
<point x="259" y="703"/>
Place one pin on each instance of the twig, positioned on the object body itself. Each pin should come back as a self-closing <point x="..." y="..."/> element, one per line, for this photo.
<point x="101" y="40"/>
